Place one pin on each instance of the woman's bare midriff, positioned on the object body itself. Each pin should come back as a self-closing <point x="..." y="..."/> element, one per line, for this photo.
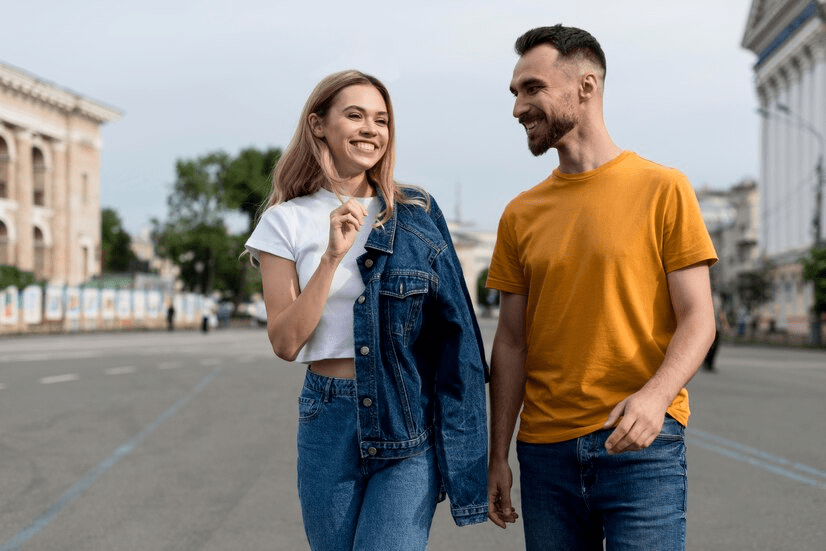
<point x="339" y="368"/>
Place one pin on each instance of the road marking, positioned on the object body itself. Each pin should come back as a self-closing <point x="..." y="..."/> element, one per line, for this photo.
<point x="763" y="460"/>
<point x="210" y="361"/>
<point x="120" y="370"/>
<point x="59" y="379"/>
<point x="170" y="365"/>
<point x="81" y="486"/>
<point x="2" y="386"/>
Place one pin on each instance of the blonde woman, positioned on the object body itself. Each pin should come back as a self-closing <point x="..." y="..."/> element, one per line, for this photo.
<point x="362" y="284"/>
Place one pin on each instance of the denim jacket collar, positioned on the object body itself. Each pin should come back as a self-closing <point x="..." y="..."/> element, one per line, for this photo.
<point x="383" y="239"/>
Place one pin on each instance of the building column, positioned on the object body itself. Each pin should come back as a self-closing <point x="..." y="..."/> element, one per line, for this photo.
<point x="819" y="115"/>
<point x="61" y="255"/>
<point x="794" y="184"/>
<point x="23" y="195"/>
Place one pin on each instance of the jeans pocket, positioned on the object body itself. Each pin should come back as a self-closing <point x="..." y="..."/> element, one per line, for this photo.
<point x="309" y="407"/>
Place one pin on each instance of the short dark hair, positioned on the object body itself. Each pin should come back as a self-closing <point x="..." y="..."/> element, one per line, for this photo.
<point x="568" y="41"/>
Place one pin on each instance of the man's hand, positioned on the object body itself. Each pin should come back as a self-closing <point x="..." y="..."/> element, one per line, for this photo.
<point x="643" y="414"/>
<point x="500" y="481"/>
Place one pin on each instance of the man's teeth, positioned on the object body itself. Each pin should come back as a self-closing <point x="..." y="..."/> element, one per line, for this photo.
<point x="531" y="125"/>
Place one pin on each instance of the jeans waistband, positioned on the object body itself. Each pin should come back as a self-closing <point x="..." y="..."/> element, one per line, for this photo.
<point x="329" y="386"/>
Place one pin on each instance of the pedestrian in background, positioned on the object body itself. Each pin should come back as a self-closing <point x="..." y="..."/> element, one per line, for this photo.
<point x="361" y="282"/>
<point x="605" y="315"/>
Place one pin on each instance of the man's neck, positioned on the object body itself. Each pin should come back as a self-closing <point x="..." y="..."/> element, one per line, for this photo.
<point x="583" y="151"/>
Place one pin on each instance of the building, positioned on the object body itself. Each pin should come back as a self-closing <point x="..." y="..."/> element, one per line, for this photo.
<point x="49" y="178"/>
<point x="474" y="248"/>
<point x="789" y="40"/>
<point x="732" y="219"/>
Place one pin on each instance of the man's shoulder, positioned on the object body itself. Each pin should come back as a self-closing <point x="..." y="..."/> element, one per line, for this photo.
<point x="653" y="170"/>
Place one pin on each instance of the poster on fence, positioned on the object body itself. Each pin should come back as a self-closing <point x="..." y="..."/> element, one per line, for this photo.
<point x="153" y="304"/>
<point x="91" y="306"/>
<point x="10" y="312"/>
<point x="54" y="303"/>
<point x="124" y="304"/>
<point x="72" y="303"/>
<point x="33" y="304"/>
<point x="138" y="304"/>
<point x="107" y="304"/>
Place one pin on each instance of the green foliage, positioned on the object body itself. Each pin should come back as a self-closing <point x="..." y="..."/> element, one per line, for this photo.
<point x="814" y="270"/>
<point x="247" y="181"/>
<point x="755" y="287"/>
<point x="485" y="297"/>
<point x="115" y="243"/>
<point x="10" y="275"/>
<point x="195" y="236"/>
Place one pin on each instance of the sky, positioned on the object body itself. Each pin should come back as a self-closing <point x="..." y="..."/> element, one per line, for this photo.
<point x="191" y="78"/>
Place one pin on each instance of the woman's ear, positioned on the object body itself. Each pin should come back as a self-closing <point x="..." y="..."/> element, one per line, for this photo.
<point x="316" y="125"/>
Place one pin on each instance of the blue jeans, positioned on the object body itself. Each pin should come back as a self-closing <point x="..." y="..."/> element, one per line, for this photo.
<point x="574" y="494"/>
<point x="349" y="503"/>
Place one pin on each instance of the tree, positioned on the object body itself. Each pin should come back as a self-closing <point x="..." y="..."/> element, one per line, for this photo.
<point x="11" y="275"/>
<point x="755" y="287"/>
<point x="115" y="243"/>
<point x="247" y="181"/>
<point x="195" y="236"/>
<point x="814" y="270"/>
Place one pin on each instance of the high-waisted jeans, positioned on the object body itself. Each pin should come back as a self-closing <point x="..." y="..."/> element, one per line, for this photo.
<point x="349" y="503"/>
<point x="574" y="494"/>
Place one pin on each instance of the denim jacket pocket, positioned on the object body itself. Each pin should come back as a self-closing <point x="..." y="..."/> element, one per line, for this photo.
<point x="402" y="294"/>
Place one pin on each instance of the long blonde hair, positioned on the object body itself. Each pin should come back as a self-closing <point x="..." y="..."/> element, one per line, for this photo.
<point x="307" y="163"/>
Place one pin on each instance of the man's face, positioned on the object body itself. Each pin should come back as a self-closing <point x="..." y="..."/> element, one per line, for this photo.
<point x="545" y="93"/>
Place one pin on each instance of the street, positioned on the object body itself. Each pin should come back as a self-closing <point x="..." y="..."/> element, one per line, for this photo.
<point x="186" y="441"/>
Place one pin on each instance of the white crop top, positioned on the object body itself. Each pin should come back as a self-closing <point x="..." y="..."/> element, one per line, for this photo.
<point x="299" y="230"/>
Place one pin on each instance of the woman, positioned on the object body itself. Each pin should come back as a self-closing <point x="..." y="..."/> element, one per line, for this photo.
<point x="362" y="283"/>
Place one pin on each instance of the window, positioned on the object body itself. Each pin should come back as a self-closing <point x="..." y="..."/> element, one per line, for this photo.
<point x="4" y="244"/>
<point x="38" y="177"/>
<point x="5" y="166"/>
<point x="41" y="255"/>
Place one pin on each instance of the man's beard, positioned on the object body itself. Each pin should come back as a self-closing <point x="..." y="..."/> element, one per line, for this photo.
<point x="556" y="128"/>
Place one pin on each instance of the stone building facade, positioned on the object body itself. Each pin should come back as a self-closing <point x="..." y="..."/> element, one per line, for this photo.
<point x="789" y="40"/>
<point x="49" y="178"/>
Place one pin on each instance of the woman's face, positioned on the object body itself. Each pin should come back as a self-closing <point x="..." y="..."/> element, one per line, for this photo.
<point x="356" y="129"/>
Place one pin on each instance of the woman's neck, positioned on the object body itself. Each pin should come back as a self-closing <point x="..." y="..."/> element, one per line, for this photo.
<point x="358" y="186"/>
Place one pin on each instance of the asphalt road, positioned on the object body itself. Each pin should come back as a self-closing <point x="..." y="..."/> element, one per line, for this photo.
<point x="185" y="441"/>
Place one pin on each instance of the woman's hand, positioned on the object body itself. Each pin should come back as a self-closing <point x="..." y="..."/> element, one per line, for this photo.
<point x="345" y="223"/>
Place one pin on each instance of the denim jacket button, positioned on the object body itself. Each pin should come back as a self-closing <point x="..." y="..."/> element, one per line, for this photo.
<point x="364" y="350"/>
<point x="361" y="299"/>
<point x="367" y="402"/>
<point x="372" y="451"/>
<point x="368" y="263"/>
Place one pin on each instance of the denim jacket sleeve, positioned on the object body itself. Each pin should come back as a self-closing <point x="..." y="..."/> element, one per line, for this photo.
<point x="460" y="415"/>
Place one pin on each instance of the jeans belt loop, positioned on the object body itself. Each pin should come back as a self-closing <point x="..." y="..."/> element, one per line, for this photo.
<point x="328" y="390"/>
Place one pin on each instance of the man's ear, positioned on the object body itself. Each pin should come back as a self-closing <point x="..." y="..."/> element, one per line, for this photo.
<point x="588" y="85"/>
<point x="316" y="125"/>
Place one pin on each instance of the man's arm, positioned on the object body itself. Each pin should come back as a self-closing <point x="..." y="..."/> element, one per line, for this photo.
<point x="507" y="390"/>
<point x="643" y="412"/>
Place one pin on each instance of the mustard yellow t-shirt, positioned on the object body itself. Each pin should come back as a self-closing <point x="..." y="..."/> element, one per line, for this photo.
<point x="591" y="251"/>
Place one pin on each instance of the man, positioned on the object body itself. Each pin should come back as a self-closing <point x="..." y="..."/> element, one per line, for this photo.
<point x="605" y="315"/>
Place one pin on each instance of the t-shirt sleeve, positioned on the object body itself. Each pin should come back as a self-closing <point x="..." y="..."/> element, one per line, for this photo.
<point x="274" y="234"/>
<point x="686" y="239"/>
<point x="506" y="272"/>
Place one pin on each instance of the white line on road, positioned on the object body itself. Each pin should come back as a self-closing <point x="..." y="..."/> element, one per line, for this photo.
<point x="170" y="365"/>
<point x="210" y="361"/>
<point x="120" y="370"/>
<point x="59" y="379"/>
<point x="2" y="386"/>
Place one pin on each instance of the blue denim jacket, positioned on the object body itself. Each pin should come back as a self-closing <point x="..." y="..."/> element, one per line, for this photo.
<point x="419" y="357"/>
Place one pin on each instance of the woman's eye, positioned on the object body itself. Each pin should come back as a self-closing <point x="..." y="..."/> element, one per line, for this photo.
<point x="382" y="122"/>
<point x="354" y="116"/>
